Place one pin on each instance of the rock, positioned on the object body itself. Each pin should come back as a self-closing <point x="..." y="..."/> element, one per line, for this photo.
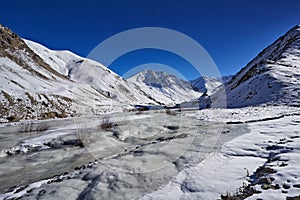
<point x="173" y="128"/>
<point x="296" y="186"/>
<point x="73" y="142"/>
<point x="266" y="186"/>
<point x="286" y="186"/>
<point x="50" y="115"/>
<point x="12" y="118"/>
<point x="265" y="180"/>
<point x="293" y="198"/>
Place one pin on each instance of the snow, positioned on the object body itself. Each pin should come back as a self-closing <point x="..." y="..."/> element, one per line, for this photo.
<point x="211" y="172"/>
<point x="37" y="143"/>
<point x="164" y="88"/>
<point x="14" y="194"/>
<point x="227" y="170"/>
<point x="243" y="115"/>
<point x="190" y="154"/>
<point x="207" y="84"/>
<point x="79" y="84"/>
<point x="272" y="77"/>
<point x="60" y="59"/>
<point x="90" y="73"/>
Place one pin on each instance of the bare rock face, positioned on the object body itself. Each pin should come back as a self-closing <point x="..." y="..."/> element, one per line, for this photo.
<point x="8" y="39"/>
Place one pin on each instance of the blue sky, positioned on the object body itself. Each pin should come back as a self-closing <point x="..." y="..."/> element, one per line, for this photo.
<point x="232" y="32"/>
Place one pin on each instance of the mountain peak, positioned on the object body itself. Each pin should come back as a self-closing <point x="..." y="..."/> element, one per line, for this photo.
<point x="208" y="84"/>
<point x="15" y="48"/>
<point x="297" y="27"/>
<point x="271" y="77"/>
<point x="166" y="88"/>
<point x="9" y="39"/>
<point x="151" y="72"/>
<point x="284" y="51"/>
<point x="159" y="79"/>
<point x="35" y="83"/>
<point x="293" y="32"/>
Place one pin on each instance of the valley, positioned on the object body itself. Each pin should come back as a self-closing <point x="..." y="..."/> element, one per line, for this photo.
<point x="70" y="128"/>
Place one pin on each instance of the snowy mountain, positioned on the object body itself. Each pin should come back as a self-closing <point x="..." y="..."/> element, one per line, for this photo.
<point x="240" y="153"/>
<point x="165" y="88"/>
<point x="208" y="84"/>
<point x="40" y="83"/>
<point x="273" y="77"/>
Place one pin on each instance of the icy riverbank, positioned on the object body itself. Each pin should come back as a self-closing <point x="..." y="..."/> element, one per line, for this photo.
<point x="190" y="155"/>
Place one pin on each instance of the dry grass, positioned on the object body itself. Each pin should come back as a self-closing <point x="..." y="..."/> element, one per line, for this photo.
<point x="105" y="124"/>
<point x="84" y="135"/>
<point x="31" y="98"/>
<point x="241" y="193"/>
<point x="139" y="112"/>
<point x="31" y="127"/>
<point x="9" y="98"/>
<point x="169" y="112"/>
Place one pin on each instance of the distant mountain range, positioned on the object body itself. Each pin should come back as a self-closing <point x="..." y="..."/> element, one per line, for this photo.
<point x="164" y="87"/>
<point x="39" y="83"/>
<point x="209" y="85"/>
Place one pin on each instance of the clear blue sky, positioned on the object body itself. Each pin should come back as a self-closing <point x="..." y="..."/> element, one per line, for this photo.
<point x="233" y="31"/>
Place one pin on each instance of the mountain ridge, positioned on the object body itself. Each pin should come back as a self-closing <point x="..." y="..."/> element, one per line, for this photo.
<point x="272" y="77"/>
<point x="39" y="83"/>
<point x="164" y="87"/>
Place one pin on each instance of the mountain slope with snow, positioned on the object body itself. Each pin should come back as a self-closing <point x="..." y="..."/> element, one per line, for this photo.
<point x="208" y="84"/>
<point x="92" y="73"/>
<point x="39" y="83"/>
<point x="272" y="77"/>
<point x="165" y="88"/>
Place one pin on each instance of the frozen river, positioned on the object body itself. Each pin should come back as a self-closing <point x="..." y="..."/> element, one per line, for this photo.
<point x="134" y="155"/>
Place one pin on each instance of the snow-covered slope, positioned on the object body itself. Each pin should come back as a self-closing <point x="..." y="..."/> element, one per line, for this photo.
<point x="165" y="88"/>
<point x="92" y="73"/>
<point x="208" y="84"/>
<point x="261" y="164"/>
<point x="272" y="77"/>
<point x="40" y="83"/>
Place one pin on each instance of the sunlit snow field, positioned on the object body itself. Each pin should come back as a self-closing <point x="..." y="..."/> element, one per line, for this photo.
<point x="151" y="155"/>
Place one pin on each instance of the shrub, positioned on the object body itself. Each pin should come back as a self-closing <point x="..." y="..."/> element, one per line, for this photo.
<point x="242" y="192"/>
<point x="31" y="127"/>
<point x="105" y="124"/>
<point x="169" y="112"/>
<point x="84" y="136"/>
<point x="139" y="112"/>
<point x="43" y="126"/>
